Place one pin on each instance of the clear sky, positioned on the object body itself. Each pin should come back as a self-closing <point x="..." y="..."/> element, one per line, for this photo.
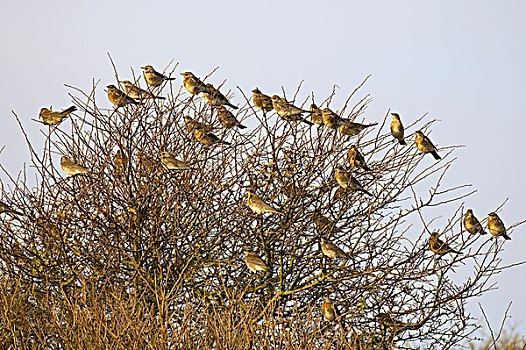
<point x="463" y="62"/>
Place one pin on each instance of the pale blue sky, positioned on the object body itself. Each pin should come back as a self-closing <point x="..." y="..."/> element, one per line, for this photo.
<point x="461" y="61"/>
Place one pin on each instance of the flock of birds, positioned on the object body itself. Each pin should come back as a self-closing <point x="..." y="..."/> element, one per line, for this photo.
<point x="132" y="94"/>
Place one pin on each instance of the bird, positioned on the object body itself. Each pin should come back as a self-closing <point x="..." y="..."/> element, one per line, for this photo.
<point x="316" y="114"/>
<point x="118" y="97"/>
<point x="288" y="111"/>
<point x="153" y="77"/>
<point x="387" y="322"/>
<point x="328" y="310"/>
<point x="347" y="181"/>
<point x="50" y="117"/>
<point x="356" y="158"/>
<point x="227" y="119"/>
<point x="397" y="129"/>
<point x="72" y="168"/>
<point x="259" y="206"/>
<point x="322" y="222"/>
<point x="331" y="250"/>
<point x="171" y="163"/>
<point x="262" y="101"/>
<point x="120" y="161"/>
<point x="146" y="163"/>
<point x="4" y="208"/>
<point x="254" y="262"/>
<point x="216" y="98"/>
<point x="193" y="84"/>
<point x="207" y="138"/>
<point x="349" y="128"/>
<point x="424" y="144"/>
<point x="471" y="223"/>
<point x="192" y="125"/>
<point x="331" y="119"/>
<point x="496" y="226"/>
<point x="438" y="246"/>
<point x="136" y="92"/>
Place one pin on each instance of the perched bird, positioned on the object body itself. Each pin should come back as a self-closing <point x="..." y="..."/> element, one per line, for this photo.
<point x="227" y="119"/>
<point x="331" y="119"/>
<point x="72" y="168"/>
<point x="356" y="158"/>
<point x="322" y="222"/>
<point x="288" y="111"/>
<point x="347" y="181"/>
<point x="438" y="246"/>
<point x="351" y="129"/>
<point x="146" y="163"/>
<point x="171" y="163"/>
<point x="316" y="114"/>
<point x="425" y="145"/>
<point x="328" y="310"/>
<point x="216" y="98"/>
<point x="258" y="206"/>
<point x="193" y="125"/>
<point x="153" y="77"/>
<point x="207" y="138"/>
<point x="496" y="227"/>
<point x="472" y="224"/>
<point x="262" y="101"/>
<point x="254" y="262"/>
<point x="193" y="84"/>
<point x="331" y="250"/>
<point x="388" y="322"/>
<point x="291" y="190"/>
<point x="120" y="162"/>
<point x="119" y="98"/>
<point x="4" y="208"/>
<point x="397" y="129"/>
<point x="138" y="93"/>
<point x="49" y="117"/>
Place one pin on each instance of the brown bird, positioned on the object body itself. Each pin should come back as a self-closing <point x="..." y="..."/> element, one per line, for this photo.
<point x="118" y="97"/>
<point x="472" y="224"/>
<point x="424" y="144"/>
<point x="146" y="163"/>
<point x="216" y="98"/>
<point x="322" y="222"/>
<point x="496" y="226"/>
<point x="331" y="250"/>
<point x="262" y="101"/>
<point x="50" y="117"/>
<point x="138" y="93"/>
<point x="356" y="158"/>
<point x="328" y="310"/>
<point x="287" y="110"/>
<point x="259" y="206"/>
<point x="171" y="163"/>
<point x="193" y="84"/>
<point x="207" y="138"/>
<point x="120" y="162"/>
<point x="331" y="119"/>
<point x="227" y="119"/>
<point x="72" y="168"/>
<point x="153" y="77"/>
<point x="254" y="262"/>
<point x="192" y="125"/>
<point x="351" y="129"/>
<point x="316" y="115"/>
<point x="4" y="208"/>
<point x="438" y="246"/>
<point x="397" y="129"/>
<point x="388" y="322"/>
<point x="347" y="181"/>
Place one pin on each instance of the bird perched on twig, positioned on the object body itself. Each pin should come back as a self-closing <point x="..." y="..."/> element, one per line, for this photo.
<point x="331" y="250"/>
<point x="388" y="322"/>
<point x="424" y="144"/>
<point x="347" y="181"/>
<point x="192" y="125"/>
<point x="496" y="226"/>
<point x="72" y="168"/>
<point x="153" y="77"/>
<point x="146" y="163"/>
<point x="227" y="119"/>
<point x="171" y="163"/>
<point x="4" y="208"/>
<point x="356" y="158"/>
<point x="259" y="206"/>
<point x="215" y="98"/>
<point x="331" y="119"/>
<point x="118" y="97"/>
<point x="120" y="162"/>
<point x="287" y="110"/>
<point x="439" y="247"/>
<point x="397" y="129"/>
<point x="254" y="262"/>
<point x="330" y="313"/>
<point x="351" y="128"/>
<point x="262" y="101"/>
<point x="316" y="114"/>
<point x="322" y="222"/>
<point x="193" y="84"/>
<point x="50" y="117"/>
<point x="138" y="93"/>
<point x="471" y="223"/>
<point x="207" y="138"/>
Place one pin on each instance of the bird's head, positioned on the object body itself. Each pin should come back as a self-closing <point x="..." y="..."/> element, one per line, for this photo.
<point x="126" y="83"/>
<point x="395" y="116"/>
<point x="275" y="98"/>
<point x="256" y="91"/>
<point x="43" y="110"/>
<point x="327" y="300"/>
<point x="469" y="212"/>
<point x="187" y="75"/>
<point x="64" y="159"/>
<point x="434" y="234"/>
<point x="419" y="133"/>
<point x="188" y="119"/>
<point x="323" y="240"/>
<point x="339" y="170"/>
<point x="148" y="69"/>
<point x="164" y="154"/>
<point x="313" y="107"/>
<point x="493" y="215"/>
<point x="111" y="87"/>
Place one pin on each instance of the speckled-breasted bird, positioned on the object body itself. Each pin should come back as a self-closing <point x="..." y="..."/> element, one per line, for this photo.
<point x="136" y="92"/>
<point x="331" y="250"/>
<point x="496" y="226"/>
<point x="397" y="129"/>
<point x="118" y="97"/>
<point x="262" y="101"/>
<point x="287" y="110"/>
<point x="207" y="138"/>
<point x="215" y="98"/>
<point x="153" y="77"/>
<point x="356" y="158"/>
<point x="193" y="125"/>
<point x="471" y="223"/>
<point x="193" y="84"/>
<point x="72" y="168"/>
<point x="322" y="222"/>
<point x="227" y="119"/>
<point x="351" y="128"/>
<point x="254" y="262"/>
<point x="171" y="163"/>
<point x="331" y="119"/>
<point x="424" y="144"/>
<point x="347" y="181"/>
<point x="50" y="117"/>
<point x="439" y="247"/>
<point x="259" y="206"/>
<point x="4" y="208"/>
<point x="146" y="163"/>
<point x="328" y="310"/>
<point x="316" y="114"/>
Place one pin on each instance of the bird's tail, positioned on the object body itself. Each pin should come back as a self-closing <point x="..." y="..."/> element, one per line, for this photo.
<point x="506" y="236"/>
<point x="435" y="154"/>
<point x="160" y="97"/>
<point x="168" y="78"/>
<point x="372" y="124"/>
<point x="366" y="192"/>
<point x="402" y="142"/>
<point x="366" y="168"/>
<point x="231" y="105"/>
<point x="483" y="232"/>
<point x="68" y="110"/>
<point x="241" y="126"/>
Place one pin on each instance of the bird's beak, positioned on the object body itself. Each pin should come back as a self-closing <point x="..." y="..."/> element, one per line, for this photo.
<point x="181" y="73"/>
<point x="143" y="68"/>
